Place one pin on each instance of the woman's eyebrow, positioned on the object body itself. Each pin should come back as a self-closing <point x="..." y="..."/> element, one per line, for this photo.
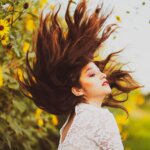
<point x="90" y="69"/>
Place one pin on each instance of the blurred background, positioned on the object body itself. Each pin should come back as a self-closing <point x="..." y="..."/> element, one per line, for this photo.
<point x="22" y="124"/>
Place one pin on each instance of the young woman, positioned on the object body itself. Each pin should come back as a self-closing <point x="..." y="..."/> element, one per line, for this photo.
<point x="66" y="78"/>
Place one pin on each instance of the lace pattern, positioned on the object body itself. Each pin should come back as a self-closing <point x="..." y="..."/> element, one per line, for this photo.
<point x="93" y="128"/>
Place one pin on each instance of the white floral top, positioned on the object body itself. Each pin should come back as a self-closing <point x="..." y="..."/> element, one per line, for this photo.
<point x="93" y="128"/>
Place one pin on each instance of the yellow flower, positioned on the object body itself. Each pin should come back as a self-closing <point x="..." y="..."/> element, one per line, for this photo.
<point x="4" y="28"/>
<point x="118" y="18"/>
<point x="5" y="40"/>
<point x="97" y="58"/>
<point x="29" y="24"/>
<point x="9" y="55"/>
<point x="35" y="11"/>
<point x="54" y="120"/>
<point x="40" y="122"/>
<point x="52" y="7"/>
<point x="26" y="46"/>
<point x="1" y="76"/>
<point x="20" y="74"/>
<point x="42" y="3"/>
<point x="38" y="118"/>
<point x="129" y="108"/>
<point x="10" y="8"/>
<point x="9" y="19"/>
<point x="121" y="119"/>
<point x="140" y="99"/>
<point x="122" y="83"/>
<point x="38" y="112"/>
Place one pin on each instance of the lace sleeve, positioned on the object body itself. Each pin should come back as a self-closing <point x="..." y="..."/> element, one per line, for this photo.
<point x="107" y="135"/>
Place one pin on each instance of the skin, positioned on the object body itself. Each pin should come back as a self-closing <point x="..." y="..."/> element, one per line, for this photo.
<point x="91" y="90"/>
<point x="91" y="82"/>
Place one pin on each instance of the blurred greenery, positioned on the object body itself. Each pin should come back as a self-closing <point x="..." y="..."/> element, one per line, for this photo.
<point x="22" y="124"/>
<point x="139" y="127"/>
<point x="135" y="130"/>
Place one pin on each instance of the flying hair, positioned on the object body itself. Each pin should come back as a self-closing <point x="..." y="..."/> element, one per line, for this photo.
<point x="60" y="55"/>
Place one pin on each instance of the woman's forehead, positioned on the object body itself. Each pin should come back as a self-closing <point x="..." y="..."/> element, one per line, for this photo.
<point x="90" y="65"/>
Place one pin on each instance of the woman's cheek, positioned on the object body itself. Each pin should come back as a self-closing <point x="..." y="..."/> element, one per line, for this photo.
<point x="87" y="84"/>
<point x="92" y="84"/>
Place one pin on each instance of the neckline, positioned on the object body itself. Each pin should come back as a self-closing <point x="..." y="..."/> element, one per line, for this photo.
<point x="69" y="130"/>
<point x="90" y="106"/>
<point x="79" y="105"/>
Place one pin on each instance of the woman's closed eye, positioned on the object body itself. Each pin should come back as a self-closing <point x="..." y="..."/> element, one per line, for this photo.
<point x="93" y="72"/>
<point x="92" y="75"/>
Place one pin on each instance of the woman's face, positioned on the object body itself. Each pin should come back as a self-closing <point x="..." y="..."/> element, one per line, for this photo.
<point x="91" y="80"/>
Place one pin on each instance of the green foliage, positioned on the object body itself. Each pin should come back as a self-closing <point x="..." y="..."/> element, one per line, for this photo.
<point x="138" y="129"/>
<point x="21" y="124"/>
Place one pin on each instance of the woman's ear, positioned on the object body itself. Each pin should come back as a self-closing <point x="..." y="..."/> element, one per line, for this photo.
<point x="77" y="91"/>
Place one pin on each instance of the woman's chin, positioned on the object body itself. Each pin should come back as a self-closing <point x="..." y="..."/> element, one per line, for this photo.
<point x="108" y="91"/>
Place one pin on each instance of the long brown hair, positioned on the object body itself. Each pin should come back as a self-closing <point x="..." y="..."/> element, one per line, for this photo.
<point x="60" y="57"/>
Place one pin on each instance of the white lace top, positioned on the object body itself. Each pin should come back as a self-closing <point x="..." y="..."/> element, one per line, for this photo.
<point x="93" y="128"/>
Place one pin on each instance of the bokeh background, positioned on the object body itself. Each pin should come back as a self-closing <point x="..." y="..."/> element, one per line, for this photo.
<point x="22" y="124"/>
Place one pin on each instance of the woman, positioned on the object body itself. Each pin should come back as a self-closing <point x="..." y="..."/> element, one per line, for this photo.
<point x="66" y="78"/>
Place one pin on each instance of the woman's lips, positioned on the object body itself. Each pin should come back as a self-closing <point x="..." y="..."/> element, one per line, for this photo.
<point x="105" y="83"/>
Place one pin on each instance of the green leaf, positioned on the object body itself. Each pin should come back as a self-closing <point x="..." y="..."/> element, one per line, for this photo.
<point x="13" y="86"/>
<point x="20" y="105"/>
<point x="8" y="139"/>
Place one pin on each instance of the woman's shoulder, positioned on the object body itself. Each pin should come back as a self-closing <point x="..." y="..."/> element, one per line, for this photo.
<point x="89" y="114"/>
<point x="84" y="108"/>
